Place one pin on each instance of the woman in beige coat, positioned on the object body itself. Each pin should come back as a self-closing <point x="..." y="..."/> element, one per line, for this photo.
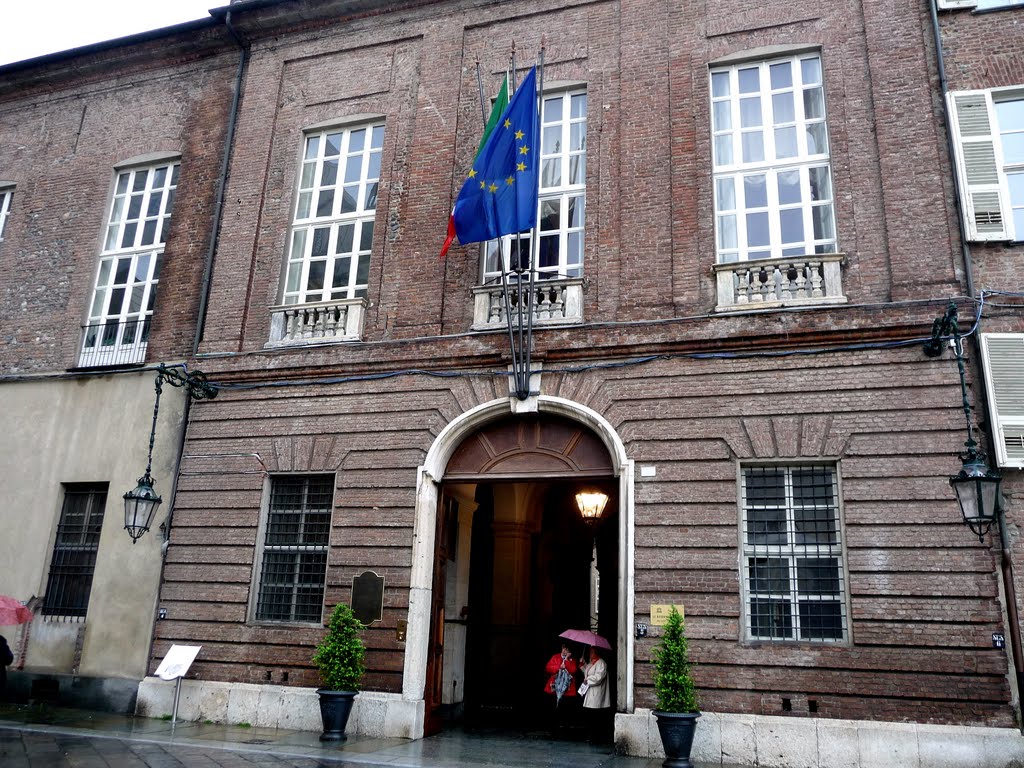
<point x="597" y="698"/>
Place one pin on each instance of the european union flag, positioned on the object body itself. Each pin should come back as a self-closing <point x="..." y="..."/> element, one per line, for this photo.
<point x="500" y="195"/>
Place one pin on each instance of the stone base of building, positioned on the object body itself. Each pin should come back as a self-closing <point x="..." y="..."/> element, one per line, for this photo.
<point x="375" y="714"/>
<point x="104" y="694"/>
<point x="781" y="742"/>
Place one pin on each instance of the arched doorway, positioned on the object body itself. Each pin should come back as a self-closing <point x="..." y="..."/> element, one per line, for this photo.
<point x="502" y="561"/>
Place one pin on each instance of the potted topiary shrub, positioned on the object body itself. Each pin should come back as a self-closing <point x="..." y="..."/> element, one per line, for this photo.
<point x="339" y="657"/>
<point x="677" y="711"/>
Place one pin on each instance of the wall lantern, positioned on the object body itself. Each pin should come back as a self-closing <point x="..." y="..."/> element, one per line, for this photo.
<point x="591" y="504"/>
<point x="976" y="486"/>
<point x="141" y="503"/>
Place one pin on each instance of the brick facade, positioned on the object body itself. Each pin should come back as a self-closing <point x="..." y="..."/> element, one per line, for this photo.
<point x="688" y="390"/>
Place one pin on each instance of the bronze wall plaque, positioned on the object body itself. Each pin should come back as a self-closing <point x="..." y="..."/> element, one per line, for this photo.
<point x="368" y="597"/>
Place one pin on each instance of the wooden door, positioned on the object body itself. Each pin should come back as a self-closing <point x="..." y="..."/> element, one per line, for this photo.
<point x="447" y="517"/>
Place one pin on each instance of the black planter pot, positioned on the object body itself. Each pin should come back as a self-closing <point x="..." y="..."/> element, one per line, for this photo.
<point x="335" y="707"/>
<point x="677" y="729"/>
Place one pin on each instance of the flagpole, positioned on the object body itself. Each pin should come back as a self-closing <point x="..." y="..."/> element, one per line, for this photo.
<point x="535" y="233"/>
<point x="522" y="388"/>
<point x="501" y="262"/>
<point x="480" y="88"/>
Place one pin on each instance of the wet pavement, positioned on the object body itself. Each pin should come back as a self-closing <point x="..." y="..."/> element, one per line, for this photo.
<point x="48" y="737"/>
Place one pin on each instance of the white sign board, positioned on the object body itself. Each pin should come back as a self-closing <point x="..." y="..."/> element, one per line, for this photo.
<point x="177" y="661"/>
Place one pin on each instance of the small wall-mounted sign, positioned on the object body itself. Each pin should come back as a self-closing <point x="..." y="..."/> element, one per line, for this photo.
<point x="641" y="629"/>
<point x="998" y="640"/>
<point x="659" y="614"/>
<point x="401" y="629"/>
<point x="163" y="613"/>
<point x="368" y="597"/>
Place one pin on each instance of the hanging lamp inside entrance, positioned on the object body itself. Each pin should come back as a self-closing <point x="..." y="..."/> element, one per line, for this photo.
<point x="591" y="504"/>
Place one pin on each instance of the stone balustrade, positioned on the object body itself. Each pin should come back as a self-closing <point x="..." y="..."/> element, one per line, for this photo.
<point x="555" y="302"/>
<point x="806" y="280"/>
<point x="318" y="323"/>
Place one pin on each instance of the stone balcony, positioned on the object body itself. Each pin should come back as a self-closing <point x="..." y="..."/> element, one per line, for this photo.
<point x="786" y="282"/>
<point x="320" y="323"/>
<point x="555" y="302"/>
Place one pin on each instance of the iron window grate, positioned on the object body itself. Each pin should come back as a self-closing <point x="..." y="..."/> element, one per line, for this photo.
<point x="294" y="564"/>
<point x="74" y="551"/>
<point x="793" y="568"/>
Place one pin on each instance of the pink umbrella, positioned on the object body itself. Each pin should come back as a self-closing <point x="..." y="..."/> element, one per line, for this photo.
<point x="586" y="637"/>
<point x="13" y="612"/>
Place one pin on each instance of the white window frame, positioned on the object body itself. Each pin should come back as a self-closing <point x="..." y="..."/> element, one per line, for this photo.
<point x="816" y="198"/>
<point x="298" y="548"/>
<point x="325" y="150"/>
<point x="1003" y="358"/>
<point x="790" y="552"/>
<point x="124" y="289"/>
<point x="563" y="150"/>
<point x="6" y="195"/>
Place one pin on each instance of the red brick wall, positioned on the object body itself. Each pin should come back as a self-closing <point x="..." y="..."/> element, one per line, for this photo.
<point x="63" y="129"/>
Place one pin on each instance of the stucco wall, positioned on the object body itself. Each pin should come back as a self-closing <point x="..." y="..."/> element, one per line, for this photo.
<point x="90" y="429"/>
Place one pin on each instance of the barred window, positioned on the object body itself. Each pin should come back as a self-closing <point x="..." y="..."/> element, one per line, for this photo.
<point x="294" y="565"/>
<point x="793" y="571"/>
<point x="74" y="550"/>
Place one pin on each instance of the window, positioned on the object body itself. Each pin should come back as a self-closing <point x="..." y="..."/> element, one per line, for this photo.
<point x="5" y="208"/>
<point x="563" y="165"/>
<point x="773" y="188"/>
<point x="129" y="267"/>
<point x="332" y="235"/>
<point x="294" y="566"/>
<point x="74" y="550"/>
<point x="1003" y="356"/>
<point x="988" y="133"/>
<point x="792" y="563"/>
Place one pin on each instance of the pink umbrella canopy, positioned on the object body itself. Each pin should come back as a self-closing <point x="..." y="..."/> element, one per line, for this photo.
<point x="13" y="612"/>
<point x="586" y="637"/>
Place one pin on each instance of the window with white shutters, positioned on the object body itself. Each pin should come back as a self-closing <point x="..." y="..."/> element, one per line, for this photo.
<point x="988" y="133"/>
<point x="1004" y="374"/>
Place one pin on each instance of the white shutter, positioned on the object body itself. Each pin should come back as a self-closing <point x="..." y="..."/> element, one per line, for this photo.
<point x="1004" y="371"/>
<point x="947" y="4"/>
<point x="979" y="174"/>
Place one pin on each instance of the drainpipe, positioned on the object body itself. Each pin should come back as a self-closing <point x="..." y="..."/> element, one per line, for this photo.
<point x="1005" y="563"/>
<point x="218" y="206"/>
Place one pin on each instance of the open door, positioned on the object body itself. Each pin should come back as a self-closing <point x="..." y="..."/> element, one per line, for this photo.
<point x="432" y="695"/>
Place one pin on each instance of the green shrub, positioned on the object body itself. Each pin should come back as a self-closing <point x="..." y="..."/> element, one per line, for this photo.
<point x="339" y="656"/>
<point x="673" y="681"/>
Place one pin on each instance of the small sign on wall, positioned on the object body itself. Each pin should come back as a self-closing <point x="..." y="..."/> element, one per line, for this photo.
<point x="368" y="597"/>
<point x="659" y="614"/>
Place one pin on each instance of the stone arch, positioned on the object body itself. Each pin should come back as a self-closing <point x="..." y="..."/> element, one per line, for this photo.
<point x="429" y="478"/>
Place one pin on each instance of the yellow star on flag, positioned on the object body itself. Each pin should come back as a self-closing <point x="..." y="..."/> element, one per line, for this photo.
<point x="508" y="123"/>
<point x="509" y="180"/>
<point x="523" y="150"/>
<point x="472" y="174"/>
<point x="521" y="166"/>
<point x="519" y="135"/>
<point x="493" y="187"/>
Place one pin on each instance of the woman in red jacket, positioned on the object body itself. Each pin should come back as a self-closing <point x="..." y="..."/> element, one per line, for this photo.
<point x="561" y="669"/>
